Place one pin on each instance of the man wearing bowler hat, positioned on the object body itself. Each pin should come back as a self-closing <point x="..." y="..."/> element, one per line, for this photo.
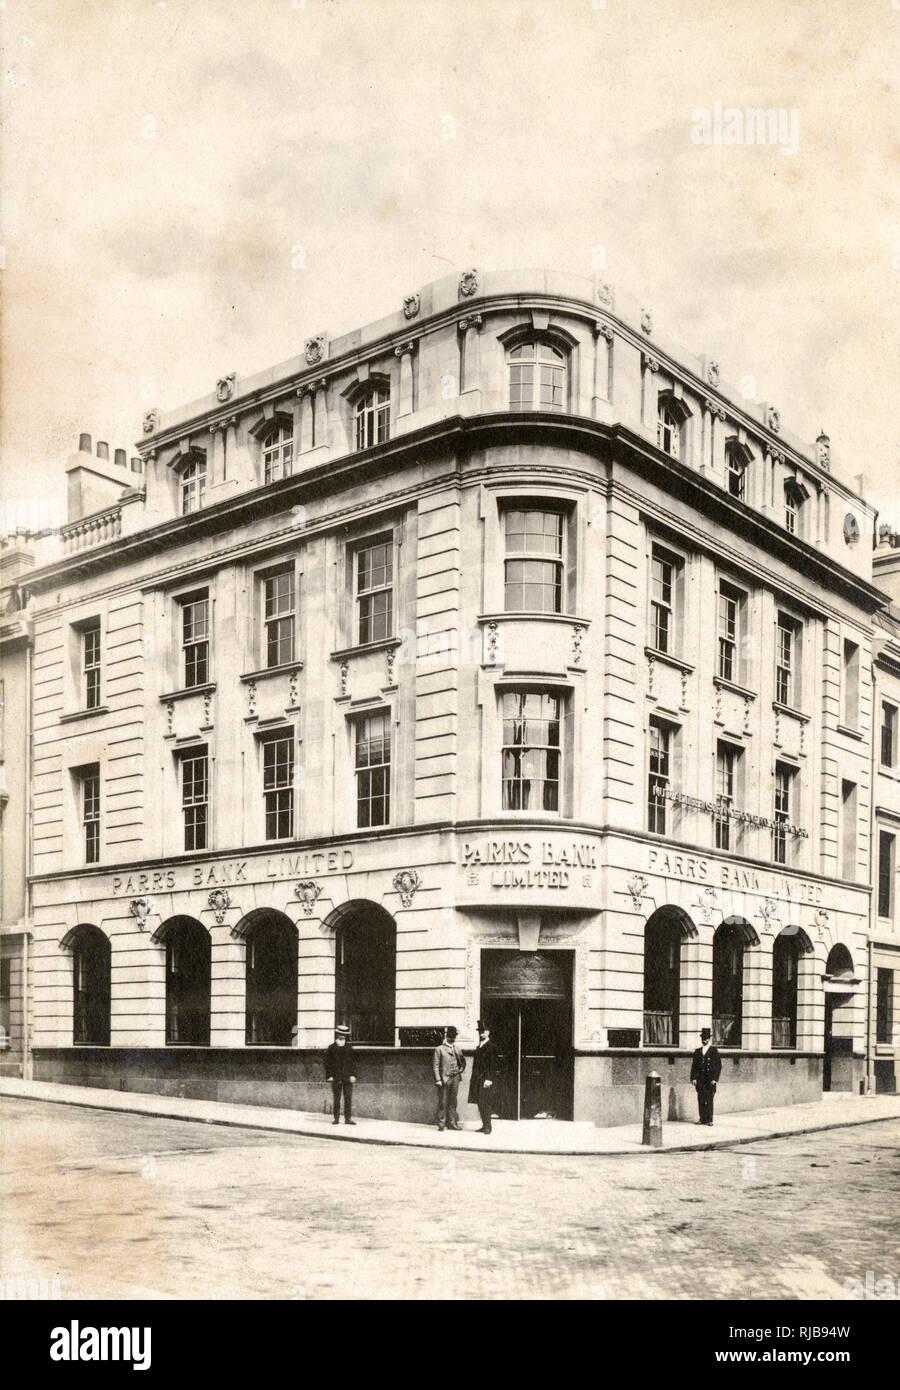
<point x="340" y="1070"/>
<point x="706" y="1068"/>
<point x="449" y="1065"/>
<point x="484" y="1074"/>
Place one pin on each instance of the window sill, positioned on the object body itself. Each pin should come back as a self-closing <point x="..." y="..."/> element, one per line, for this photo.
<point x="286" y="669"/>
<point x="526" y="615"/>
<point x="789" y="710"/>
<point x="850" y="733"/>
<point x="669" y="660"/>
<point x="183" y="694"/>
<point x="733" y="686"/>
<point x="83" y="714"/>
<point x="385" y="644"/>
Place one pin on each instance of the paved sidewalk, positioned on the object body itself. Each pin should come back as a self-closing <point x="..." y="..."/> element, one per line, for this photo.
<point x="526" y="1136"/>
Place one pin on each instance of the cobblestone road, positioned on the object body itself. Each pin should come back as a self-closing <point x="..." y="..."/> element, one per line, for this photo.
<point x="126" y="1206"/>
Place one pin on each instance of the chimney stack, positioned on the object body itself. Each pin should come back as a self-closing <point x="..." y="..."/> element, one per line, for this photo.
<point x="84" y="444"/>
<point x="121" y="458"/>
<point x="137" y="464"/>
<point x="102" y="449"/>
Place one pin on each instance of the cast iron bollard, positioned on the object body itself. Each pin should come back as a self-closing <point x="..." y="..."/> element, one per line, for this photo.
<point x="652" y="1112"/>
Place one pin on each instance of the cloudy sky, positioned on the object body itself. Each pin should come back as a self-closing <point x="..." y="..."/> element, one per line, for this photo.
<point x="163" y="164"/>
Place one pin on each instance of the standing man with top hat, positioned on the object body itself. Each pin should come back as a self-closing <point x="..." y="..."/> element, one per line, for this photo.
<point x="448" y="1064"/>
<point x="706" y="1068"/>
<point x="484" y="1074"/>
<point x="340" y="1070"/>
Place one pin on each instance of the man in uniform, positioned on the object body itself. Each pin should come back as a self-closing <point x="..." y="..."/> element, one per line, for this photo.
<point x="484" y="1073"/>
<point x="449" y="1065"/>
<point x="706" y="1068"/>
<point x="340" y="1070"/>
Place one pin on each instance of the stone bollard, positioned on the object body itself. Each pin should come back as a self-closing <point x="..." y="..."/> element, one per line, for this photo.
<point x="652" y="1112"/>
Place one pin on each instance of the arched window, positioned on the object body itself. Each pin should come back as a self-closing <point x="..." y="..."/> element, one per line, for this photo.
<point x="278" y="453"/>
<point x="737" y="468"/>
<point x="373" y="417"/>
<point x="671" y="417"/>
<point x="794" y="497"/>
<point x="193" y="486"/>
<point x="91" y="962"/>
<point x="188" y="950"/>
<point x="537" y="377"/>
<point x="365" y="971"/>
<point x="785" y="963"/>
<point x="663" y="936"/>
<point x="839" y="964"/>
<point x="271" y="974"/>
<point x="728" y="984"/>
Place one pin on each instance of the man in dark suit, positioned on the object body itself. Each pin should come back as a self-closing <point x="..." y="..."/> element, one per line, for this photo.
<point x="484" y="1074"/>
<point x="340" y="1070"/>
<point x="706" y="1068"/>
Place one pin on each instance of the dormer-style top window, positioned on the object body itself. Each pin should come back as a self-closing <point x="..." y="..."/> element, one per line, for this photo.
<point x="537" y="376"/>
<point x="373" y="417"/>
<point x="278" y="453"/>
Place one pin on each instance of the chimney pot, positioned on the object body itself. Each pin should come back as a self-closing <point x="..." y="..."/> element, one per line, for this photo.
<point x="102" y="449"/>
<point x="84" y="444"/>
<point x="121" y="458"/>
<point x="137" y="464"/>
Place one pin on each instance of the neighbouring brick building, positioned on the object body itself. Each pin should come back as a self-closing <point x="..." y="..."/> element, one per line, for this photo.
<point x="494" y="660"/>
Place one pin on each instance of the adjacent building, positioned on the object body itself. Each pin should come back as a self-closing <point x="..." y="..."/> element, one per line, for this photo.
<point x="15" y="805"/>
<point x="884" y="1004"/>
<point x="495" y="660"/>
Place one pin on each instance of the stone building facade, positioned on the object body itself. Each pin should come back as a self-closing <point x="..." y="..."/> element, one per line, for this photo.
<point x="884" y="980"/>
<point x="15" y="805"/>
<point x="495" y="660"/>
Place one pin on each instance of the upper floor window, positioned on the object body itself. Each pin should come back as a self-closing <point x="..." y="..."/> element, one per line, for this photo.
<point x="531" y="751"/>
<point x="278" y="453"/>
<point x="884" y="1005"/>
<point x="849" y="829"/>
<point x="668" y="431"/>
<point x="195" y="639"/>
<point x="665" y="584"/>
<point x="728" y="759"/>
<point x="851" y="684"/>
<point x="793" y="507"/>
<point x="785" y="776"/>
<point x="375" y="590"/>
<point x="888" y="734"/>
<point x="373" y="417"/>
<point x="89" y="780"/>
<point x="278" y="786"/>
<point x="193" y="486"/>
<point x="787" y="659"/>
<point x="373" y="770"/>
<point x="730" y="619"/>
<point x="90" y="648"/>
<point x="886" y="844"/>
<point x="195" y="798"/>
<point x="533" y="575"/>
<point x="278" y="616"/>
<point x="537" y="377"/>
<point x="737" y="464"/>
<point x="660" y="774"/>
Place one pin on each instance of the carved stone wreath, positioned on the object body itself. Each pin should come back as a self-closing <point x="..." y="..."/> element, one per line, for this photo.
<point x="712" y="373"/>
<point x="220" y="901"/>
<point x="141" y="909"/>
<point x="406" y="881"/>
<point x="150" y="421"/>
<point x="773" y="419"/>
<point x="604" y="295"/>
<point x="307" y="891"/>
<point x="225" y="387"/>
<point x="314" y="349"/>
<point x="468" y="283"/>
<point x="647" y="320"/>
<point x="412" y="303"/>
<point x="637" y="887"/>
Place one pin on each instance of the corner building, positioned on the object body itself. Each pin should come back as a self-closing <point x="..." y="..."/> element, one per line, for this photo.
<point x="494" y="660"/>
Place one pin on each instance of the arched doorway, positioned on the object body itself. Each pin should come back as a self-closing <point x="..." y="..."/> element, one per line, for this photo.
<point x="91" y="993"/>
<point x="729" y="943"/>
<point x="188" y="981"/>
<point x="840" y="985"/>
<point x="663" y="935"/>
<point x="271" y="977"/>
<point x="786" y="955"/>
<point x="365" y="971"/>
<point x="526" y="1000"/>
